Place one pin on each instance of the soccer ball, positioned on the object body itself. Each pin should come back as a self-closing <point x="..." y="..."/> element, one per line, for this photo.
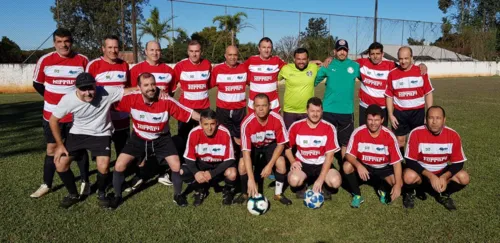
<point x="313" y="199"/>
<point x="258" y="205"/>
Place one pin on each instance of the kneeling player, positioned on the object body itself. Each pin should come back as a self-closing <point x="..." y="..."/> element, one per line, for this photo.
<point x="373" y="153"/>
<point x="209" y="157"/>
<point x="430" y="148"/>
<point x="263" y="133"/>
<point x="316" y="142"/>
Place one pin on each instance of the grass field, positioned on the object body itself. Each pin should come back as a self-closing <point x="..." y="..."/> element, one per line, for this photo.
<point x="472" y="107"/>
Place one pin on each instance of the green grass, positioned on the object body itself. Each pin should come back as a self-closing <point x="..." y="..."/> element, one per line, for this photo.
<point x="473" y="110"/>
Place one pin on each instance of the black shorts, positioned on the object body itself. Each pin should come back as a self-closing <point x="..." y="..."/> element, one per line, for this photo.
<point x="231" y="119"/>
<point x="312" y="171"/>
<point x="290" y="118"/>
<point x="47" y="132"/>
<point x="261" y="156"/>
<point x="381" y="173"/>
<point x="188" y="176"/>
<point x="344" y="123"/>
<point x="408" y="120"/>
<point x="362" y="116"/>
<point x="160" y="148"/>
<point x="97" y="145"/>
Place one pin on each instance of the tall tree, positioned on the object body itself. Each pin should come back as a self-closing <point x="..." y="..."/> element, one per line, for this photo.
<point x="91" y="20"/>
<point x="156" y="28"/>
<point x="9" y="51"/>
<point x="232" y="24"/>
<point x="317" y="39"/>
<point x="212" y="43"/>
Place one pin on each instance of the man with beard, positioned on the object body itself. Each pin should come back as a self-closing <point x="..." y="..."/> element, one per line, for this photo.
<point x="373" y="153"/>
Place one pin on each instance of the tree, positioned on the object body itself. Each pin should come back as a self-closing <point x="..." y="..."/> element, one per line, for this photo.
<point x="9" y="51"/>
<point x="177" y="50"/>
<point x="91" y="20"/>
<point x="316" y="27"/>
<point x="415" y="42"/>
<point x="317" y="39"/>
<point x="286" y="46"/>
<point x="232" y="24"/>
<point x="156" y="28"/>
<point x="211" y="43"/>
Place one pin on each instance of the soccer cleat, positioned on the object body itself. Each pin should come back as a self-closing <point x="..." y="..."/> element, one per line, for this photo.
<point x="409" y="200"/>
<point x="135" y="184"/>
<point x="227" y="196"/>
<point x="327" y="194"/>
<point x="282" y="199"/>
<point x="115" y="202"/>
<point x="382" y="196"/>
<point x="420" y="194"/>
<point x="104" y="201"/>
<point x="300" y="194"/>
<point x="42" y="190"/>
<point x="447" y="202"/>
<point x="199" y="197"/>
<point x="69" y="201"/>
<point x="85" y="188"/>
<point x="242" y="198"/>
<point x="165" y="180"/>
<point x="181" y="200"/>
<point x="357" y="200"/>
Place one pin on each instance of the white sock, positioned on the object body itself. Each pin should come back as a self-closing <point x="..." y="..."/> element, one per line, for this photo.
<point x="278" y="189"/>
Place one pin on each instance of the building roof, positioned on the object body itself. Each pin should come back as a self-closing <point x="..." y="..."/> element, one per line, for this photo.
<point x="424" y="53"/>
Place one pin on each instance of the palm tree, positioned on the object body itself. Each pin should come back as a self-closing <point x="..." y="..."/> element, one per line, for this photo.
<point x="232" y="23"/>
<point x="156" y="28"/>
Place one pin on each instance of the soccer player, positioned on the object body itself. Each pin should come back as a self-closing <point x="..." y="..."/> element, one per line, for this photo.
<point x="299" y="86"/>
<point x="263" y="70"/>
<point x="55" y="76"/>
<point x="338" y="103"/>
<point x="408" y="93"/>
<point x="110" y="70"/>
<point x="193" y="75"/>
<point x="150" y="117"/>
<point x="263" y="133"/>
<point x="91" y="130"/>
<point x="373" y="153"/>
<point x="209" y="157"/>
<point x="316" y="142"/>
<point x="435" y="160"/>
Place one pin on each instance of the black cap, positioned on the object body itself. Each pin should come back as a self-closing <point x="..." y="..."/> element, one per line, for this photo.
<point x="341" y="44"/>
<point x="84" y="79"/>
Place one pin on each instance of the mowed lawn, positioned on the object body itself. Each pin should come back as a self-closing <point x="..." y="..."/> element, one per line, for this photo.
<point x="473" y="110"/>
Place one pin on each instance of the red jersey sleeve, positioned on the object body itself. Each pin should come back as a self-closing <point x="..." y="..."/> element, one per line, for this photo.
<point x="229" y="154"/>
<point x="281" y="133"/>
<point x="412" y="147"/>
<point x="124" y="104"/>
<point x="178" y="111"/>
<point x="457" y="153"/>
<point x="177" y="74"/>
<point x="39" y="75"/>
<point x="134" y="73"/>
<point x="331" y="142"/>
<point x="427" y="84"/>
<point x="246" y="141"/>
<point x="352" y="146"/>
<point x="213" y="78"/>
<point x="389" y="90"/>
<point x="173" y="83"/>
<point x="292" y="136"/>
<point x="281" y="63"/>
<point x="190" y="152"/>
<point x="394" y="152"/>
<point x="91" y="68"/>
<point x="128" y="84"/>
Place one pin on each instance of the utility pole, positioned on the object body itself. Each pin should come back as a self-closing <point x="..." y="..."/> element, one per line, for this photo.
<point x="375" y="22"/>
<point x="123" y="25"/>
<point x="57" y="12"/>
<point x="134" y="33"/>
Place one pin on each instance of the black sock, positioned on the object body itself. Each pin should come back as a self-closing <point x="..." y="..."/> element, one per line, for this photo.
<point x="102" y="183"/>
<point x="244" y="183"/>
<point x="118" y="179"/>
<point x="452" y="188"/>
<point x="49" y="169"/>
<point x="409" y="188"/>
<point x="83" y="165"/>
<point x="229" y="183"/>
<point x="68" y="179"/>
<point x="176" y="180"/>
<point x="402" y="150"/>
<point x="353" y="183"/>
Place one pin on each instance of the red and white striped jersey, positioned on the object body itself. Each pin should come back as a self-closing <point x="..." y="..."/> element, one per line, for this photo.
<point x="164" y="75"/>
<point x="408" y="88"/>
<point x="107" y="74"/>
<point x="195" y="81"/>
<point x="150" y="121"/>
<point x="434" y="152"/>
<point x="231" y="84"/>
<point x="254" y="134"/>
<point x="58" y="75"/>
<point x="263" y="78"/>
<point x="213" y="149"/>
<point x="313" y="143"/>
<point x="375" y="152"/>
<point x="374" y="81"/>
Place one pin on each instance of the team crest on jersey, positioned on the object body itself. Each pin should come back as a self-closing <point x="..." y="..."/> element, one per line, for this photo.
<point x="380" y="149"/>
<point x="309" y="73"/>
<point x="350" y="70"/>
<point x="401" y="83"/>
<point x="414" y="81"/>
<point x="443" y="149"/>
<point x="191" y="76"/>
<point x="56" y="71"/>
<point x="108" y="77"/>
<point x="72" y="72"/>
<point x="305" y="141"/>
<point x="380" y="74"/>
<point x="204" y="75"/>
<point x="259" y="69"/>
<point x="269" y="69"/>
<point x="369" y="73"/>
<point x="216" y="149"/>
<point x="316" y="141"/>
<point x="161" y="77"/>
<point x="228" y="78"/>
<point x="120" y="76"/>
<point x="240" y="77"/>
<point x="142" y="116"/>
<point x="427" y="149"/>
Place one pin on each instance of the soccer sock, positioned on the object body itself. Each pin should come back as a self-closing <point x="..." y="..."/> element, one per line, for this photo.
<point x="280" y="181"/>
<point x="83" y="165"/>
<point x="49" y="169"/>
<point x="244" y="183"/>
<point x="353" y="183"/>
<point x="102" y="183"/>
<point x="452" y="188"/>
<point x="141" y="172"/>
<point x="176" y="180"/>
<point x="68" y="179"/>
<point x="229" y="183"/>
<point x="409" y="188"/>
<point x="118" y="179"/>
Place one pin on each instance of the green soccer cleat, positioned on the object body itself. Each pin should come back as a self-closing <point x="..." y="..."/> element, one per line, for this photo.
<point x="357" y="200"/>
<point x="382" y="196"/>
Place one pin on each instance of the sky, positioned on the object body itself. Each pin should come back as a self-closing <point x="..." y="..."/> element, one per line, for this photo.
<point x="29" y="22"/>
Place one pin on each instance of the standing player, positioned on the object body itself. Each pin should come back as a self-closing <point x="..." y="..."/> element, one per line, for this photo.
<point x="338" y="102"/>
<point x="408" y="94"/>
<point x="263" y="133"/>
<point x="193" y="74"/>
<point x="299" y="86"/>
<point x="209" y="157"/>
<point x="110" y="70"/>
<point x="435" y="158"/>
<point x="373" y="153"/>
<point x="316" y="143"/>
<point x="151" y="133"/>
<point x="263" y="70"/>
<point x="55" y="76"/>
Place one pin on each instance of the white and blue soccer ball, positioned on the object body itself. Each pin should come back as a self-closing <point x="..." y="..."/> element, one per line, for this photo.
<point x="257" y="205"/>
<point x="313" y="199"/>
